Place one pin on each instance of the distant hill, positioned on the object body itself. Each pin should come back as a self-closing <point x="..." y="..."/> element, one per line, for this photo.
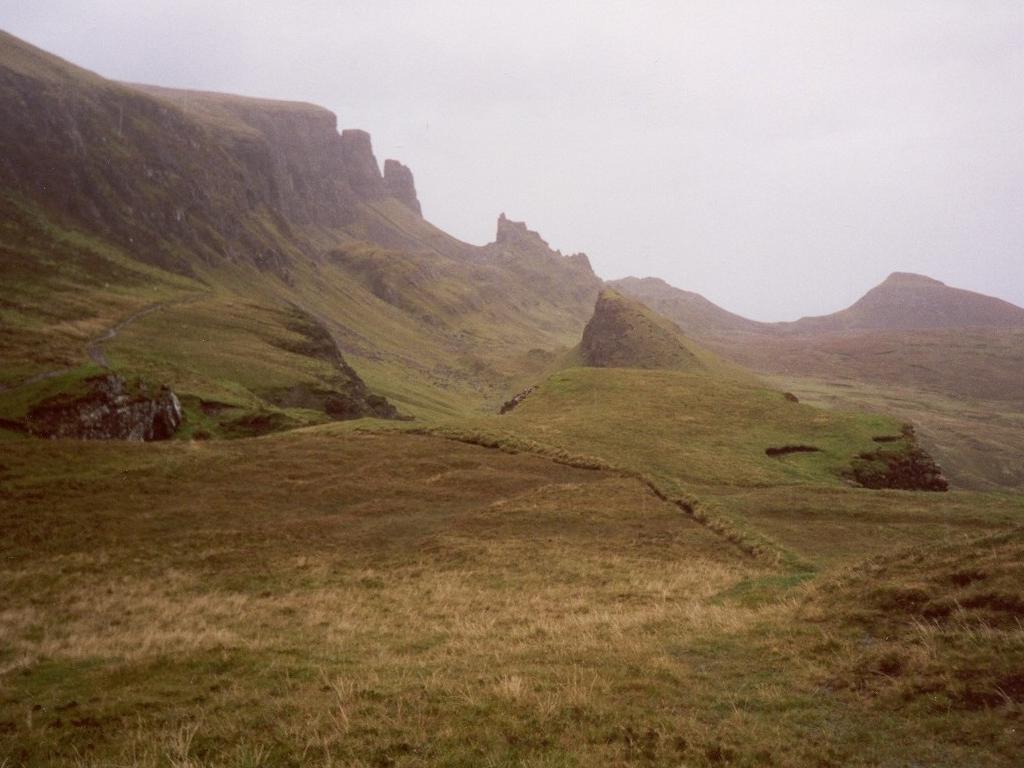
<point x="693" y="313"/>
<point x="905" y="301"/>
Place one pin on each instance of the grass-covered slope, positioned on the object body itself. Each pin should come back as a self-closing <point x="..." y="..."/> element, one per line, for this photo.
<point x="189" y="229"/>
<point x="693" y="428"/>
<point x="304" y="599"/>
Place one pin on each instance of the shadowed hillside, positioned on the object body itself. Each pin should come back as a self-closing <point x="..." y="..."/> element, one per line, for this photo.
<point x="179" y="234"/>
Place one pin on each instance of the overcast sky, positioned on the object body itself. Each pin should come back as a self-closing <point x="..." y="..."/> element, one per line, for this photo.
<point x="778" y="157"/>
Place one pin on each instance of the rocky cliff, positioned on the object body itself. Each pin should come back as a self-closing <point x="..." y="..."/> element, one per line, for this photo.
<point x="179" y="177"/>
<point x="400" y="185"/>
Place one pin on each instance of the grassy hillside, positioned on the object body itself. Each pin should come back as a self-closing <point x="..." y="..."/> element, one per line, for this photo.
<point x="905" y="301"/>
<point x="978" y="442"/>
<point x="946" y="360"/>
<point x="693" y="428"/>
<point x="323" y="597"/>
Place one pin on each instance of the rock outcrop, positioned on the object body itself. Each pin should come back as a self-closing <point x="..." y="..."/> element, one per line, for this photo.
<point x="400" y="185"/>
<point x="343" y="396"/>
<point x="516" y="232"/>
<point x="899" y="463"/>
<point x="109" y="410"/>
<point x="514" y="402"/>
<point x="625" y="334"/>
<point x="361" y="169"/>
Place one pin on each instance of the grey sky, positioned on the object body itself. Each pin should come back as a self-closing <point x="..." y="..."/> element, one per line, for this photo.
<point x="778" y="157"/>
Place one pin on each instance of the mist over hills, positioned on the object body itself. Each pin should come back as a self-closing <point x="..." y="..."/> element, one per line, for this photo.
<point x="902" y="302"/>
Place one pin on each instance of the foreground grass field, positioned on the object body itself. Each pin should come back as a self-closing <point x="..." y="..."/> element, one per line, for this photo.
<point x="324" y="597"/>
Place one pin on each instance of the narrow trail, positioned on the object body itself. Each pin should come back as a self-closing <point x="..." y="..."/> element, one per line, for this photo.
<point x="93" y="347"/>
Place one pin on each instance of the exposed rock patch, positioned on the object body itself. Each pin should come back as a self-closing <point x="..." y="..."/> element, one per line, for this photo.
<point x="109" y="410"/>
<point x="361" y="166"/>
<point x="513" y="403"/>
<point x="516" y="231"/>
<point x="400" y="185"/>
<point x="899" y="464"/>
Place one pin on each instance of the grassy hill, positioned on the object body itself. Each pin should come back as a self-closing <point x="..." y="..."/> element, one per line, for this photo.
<point x="905" y="301"/>
<point x="325" y="596"/>
<point x="947" y="360"/>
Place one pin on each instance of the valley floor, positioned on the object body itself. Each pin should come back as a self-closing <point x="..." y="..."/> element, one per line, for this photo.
<point x="333" y="597"/>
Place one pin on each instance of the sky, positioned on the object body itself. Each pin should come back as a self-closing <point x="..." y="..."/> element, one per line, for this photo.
<point x="780" y="158"/>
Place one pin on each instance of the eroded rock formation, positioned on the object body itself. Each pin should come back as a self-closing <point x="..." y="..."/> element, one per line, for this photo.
<point x="109" y="410"/>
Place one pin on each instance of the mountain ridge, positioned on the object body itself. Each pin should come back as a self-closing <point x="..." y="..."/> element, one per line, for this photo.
<point x="902" y="301"/>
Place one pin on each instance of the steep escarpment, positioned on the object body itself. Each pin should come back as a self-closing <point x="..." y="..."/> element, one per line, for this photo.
<point x="179" y="178"/>
<point x="119" y="196"/>
<point x="400" y="185"/>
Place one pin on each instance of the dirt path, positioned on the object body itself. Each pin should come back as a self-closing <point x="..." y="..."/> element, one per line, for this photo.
<point x="93" y="347"/>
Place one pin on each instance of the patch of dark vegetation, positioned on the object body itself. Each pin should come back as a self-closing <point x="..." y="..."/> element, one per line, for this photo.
<point x="257" y="423"/>
<point x="12" y="425"/>
<point x="887" y="438"/>
<point x="900" y="464"/>
<point x="787" y="449"/>
<point x="514" y="402"/>
<point x="791" y="397"/>
<point x="213" y="407"/>
<point x="109" y="409"/>
<point x="344" y="395"/>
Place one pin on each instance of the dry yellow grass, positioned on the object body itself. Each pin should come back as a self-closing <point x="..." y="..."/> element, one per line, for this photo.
<point x="331" y="599"/>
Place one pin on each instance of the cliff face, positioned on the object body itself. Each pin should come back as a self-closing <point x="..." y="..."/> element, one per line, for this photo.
<point x="400" y="185"/>
<point x="166" y="173"/>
